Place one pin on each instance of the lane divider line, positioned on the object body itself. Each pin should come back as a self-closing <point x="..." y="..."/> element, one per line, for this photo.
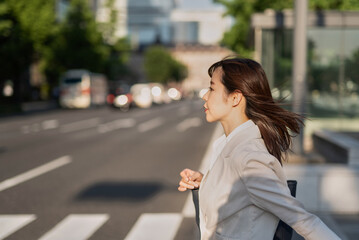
<point x="117" y="124"/>
<point x="76" y="226"/>
<point x="36" y="127"/>
<point x="151" y="124"/>
<point x="11" y="223"/>
<point x="188" y="123"/>
<point x="80" y="125"/>
<point x="11" y="182"/>
<point x="162" y="226"/>
<point x="50" y="124"/>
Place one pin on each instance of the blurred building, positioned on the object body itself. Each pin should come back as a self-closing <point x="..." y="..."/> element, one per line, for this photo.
<point x="193" y="30"/>
<point x="106" y="12"/>
<point x="333" y="58"/>
<point x="204" y="26"/>
<point x="149" y="22"/>
<point x="188" y="27"/>
<point x="198" y="58"/>
<point x="175" y="21"/>
<point x="117" y="10"/>
<point x="166" y="22"/>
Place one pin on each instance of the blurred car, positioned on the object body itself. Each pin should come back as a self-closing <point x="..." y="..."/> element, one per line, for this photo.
<point x="174" y="94"/>
<point x="120" y="96"/>
<point x="159" y="93"/>
<point x="80" y="88"/>
<point x="142" y="96"/>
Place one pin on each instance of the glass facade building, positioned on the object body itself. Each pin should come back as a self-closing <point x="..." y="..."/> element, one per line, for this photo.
<point x="332" y="68"/>
<point x="332" y="80"/>
<point x="332" y="59"/>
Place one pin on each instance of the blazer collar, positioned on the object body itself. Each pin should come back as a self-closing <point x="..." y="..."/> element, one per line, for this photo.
<point x="245" y="135"/>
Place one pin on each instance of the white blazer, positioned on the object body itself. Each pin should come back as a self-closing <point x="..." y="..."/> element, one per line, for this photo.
<point x="245" y="193"/>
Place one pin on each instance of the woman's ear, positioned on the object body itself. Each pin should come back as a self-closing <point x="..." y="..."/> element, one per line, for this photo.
<point x="236" y="98"/>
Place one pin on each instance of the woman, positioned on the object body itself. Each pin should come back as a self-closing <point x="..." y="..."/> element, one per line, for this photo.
<point x="244" y="193"/>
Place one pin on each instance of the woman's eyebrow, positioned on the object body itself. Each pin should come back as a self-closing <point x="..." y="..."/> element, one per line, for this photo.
<point x="211" y="82"/>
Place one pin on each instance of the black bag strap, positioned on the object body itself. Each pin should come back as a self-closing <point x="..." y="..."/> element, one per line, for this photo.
<point x="196" y="204"/>
<point x="284" y="231"/>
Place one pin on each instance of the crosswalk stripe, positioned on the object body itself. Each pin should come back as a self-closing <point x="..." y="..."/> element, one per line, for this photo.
<point x="159" y="226"/>
<point x="11" y="223"/>
<point x="34" y="172"/>
<point x="76" y="226"/>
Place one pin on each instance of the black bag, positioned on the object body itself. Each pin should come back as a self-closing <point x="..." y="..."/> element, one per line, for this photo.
<point x="283" y="231"/>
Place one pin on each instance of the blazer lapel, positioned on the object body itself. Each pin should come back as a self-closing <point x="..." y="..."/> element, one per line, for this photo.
<point x="251" y="132"/>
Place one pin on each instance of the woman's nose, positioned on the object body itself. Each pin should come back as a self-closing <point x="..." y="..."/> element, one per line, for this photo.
<point x="205" y="96"/>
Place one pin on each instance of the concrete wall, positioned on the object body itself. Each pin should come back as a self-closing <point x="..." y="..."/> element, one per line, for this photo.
<point x="330" y="188"/>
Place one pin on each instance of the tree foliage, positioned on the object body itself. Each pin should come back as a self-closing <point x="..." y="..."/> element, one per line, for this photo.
<point x="78" y="43"/>
<point x="30" y="33"/>
<point x="237" y="38"/>
<point x="16" y="48"/>
<point x="161" y="67"/>
<point x="116" y="62"/>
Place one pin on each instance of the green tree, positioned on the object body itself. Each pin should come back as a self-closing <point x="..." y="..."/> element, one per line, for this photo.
<point x="116" y="62"/>
<point x="37" y="18"/>
<point x="161" y="67"/>
<point x="351" y="68"/>
<point x="78" y="43"/>
<point x="25" y="29"/>
<point x="237" y="38"/>
<point x="16" y="51"/>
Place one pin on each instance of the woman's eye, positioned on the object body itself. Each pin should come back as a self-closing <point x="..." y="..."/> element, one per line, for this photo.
<point x="210" y="89"/>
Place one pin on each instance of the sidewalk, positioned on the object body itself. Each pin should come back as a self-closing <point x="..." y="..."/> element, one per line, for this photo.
<point x="329" y="191"/>
<point x="38" y="106"/>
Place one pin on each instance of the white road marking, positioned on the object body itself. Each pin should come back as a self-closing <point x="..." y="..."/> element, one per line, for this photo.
<point x="159" y="226"/>
<point x="36" y="127"/>
<point x="117" y="124"/>
<point x="151" y="124"/>
<point x="11" y="223"/>
<point x="188" y="123"/>
<point x="30" y="128"/>
<point x="76" y="226"/>
<point x="11" y="182"/>
<point x="25" y="129"/>
<point x="50" y="124"/>
<point x="80" y="125"/>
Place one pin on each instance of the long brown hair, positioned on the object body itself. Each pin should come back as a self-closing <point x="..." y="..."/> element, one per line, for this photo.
<point x="273" y="121"/>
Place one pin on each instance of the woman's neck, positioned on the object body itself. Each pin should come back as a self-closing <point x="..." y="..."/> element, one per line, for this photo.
<point x="229" y="126"/>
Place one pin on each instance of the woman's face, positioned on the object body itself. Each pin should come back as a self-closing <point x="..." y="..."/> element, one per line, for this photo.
<point x="217" y="106"/>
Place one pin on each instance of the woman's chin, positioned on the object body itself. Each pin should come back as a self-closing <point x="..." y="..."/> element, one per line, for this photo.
<point x="209" y="119"/>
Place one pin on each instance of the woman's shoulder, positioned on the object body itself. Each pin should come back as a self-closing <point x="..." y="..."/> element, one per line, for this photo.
<point x="253" y="151"/>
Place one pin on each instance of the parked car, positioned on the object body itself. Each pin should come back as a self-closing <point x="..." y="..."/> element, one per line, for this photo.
<point x="82" y="89"/>
<point x="142" y="95"/>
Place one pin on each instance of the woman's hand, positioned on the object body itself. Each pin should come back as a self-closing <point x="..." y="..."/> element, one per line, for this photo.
<point x="190" y="180"/>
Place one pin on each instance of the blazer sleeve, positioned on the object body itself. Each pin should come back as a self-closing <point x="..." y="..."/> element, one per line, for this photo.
<point x="268" y="192"/>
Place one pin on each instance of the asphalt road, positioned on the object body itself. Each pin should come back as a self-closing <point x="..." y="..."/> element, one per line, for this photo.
<point x="98" y="173"/>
